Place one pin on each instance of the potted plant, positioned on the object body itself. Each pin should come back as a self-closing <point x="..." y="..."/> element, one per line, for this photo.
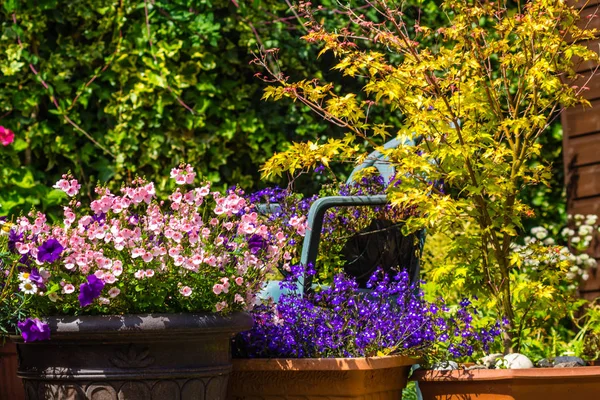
<point x="136" y="297"/>
<point x="339" y="342"/>
<point x="476" y="95"/>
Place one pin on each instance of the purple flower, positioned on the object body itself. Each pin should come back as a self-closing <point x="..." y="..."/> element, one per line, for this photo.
<point x="256" y="243"/>
<point x="89" y="291"/>
<point x="33" y="330"/>
<point x="13" y="238"/>
<point x="49" y="251"/>
<point x="36" y="278"/>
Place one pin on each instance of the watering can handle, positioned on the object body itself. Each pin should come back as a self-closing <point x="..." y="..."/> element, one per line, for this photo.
<point x="316" y="215"/>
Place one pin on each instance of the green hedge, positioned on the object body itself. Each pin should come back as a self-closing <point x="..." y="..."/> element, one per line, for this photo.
<point x="130" y="93"/>
<point x="127" y="93"/>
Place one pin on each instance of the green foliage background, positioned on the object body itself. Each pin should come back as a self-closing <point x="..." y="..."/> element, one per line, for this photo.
<point x="126" y="73"/>
<point x="123" y="81"/>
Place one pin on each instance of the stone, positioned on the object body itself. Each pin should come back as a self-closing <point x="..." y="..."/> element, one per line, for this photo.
<point x="445" y="366"/>
<point x="570" y="364"/>
<point x="569" y="359"/>
<point x="545" y="363"/>
<point x="517" y="361"/>
<point x="490" y="360"/>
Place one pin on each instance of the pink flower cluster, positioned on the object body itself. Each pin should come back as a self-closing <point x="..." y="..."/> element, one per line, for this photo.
<point x="199" y="244"/>
<point x="69" y="186"/>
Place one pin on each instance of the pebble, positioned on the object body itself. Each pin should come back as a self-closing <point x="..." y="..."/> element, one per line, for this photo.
<point x="490" y="361"/>
<point x="545" y="363"/>
<point x="445" y="366"/>
<point x="569" y="359"/>
<point x="517" y="361"/>
<point x="570" y="364"/>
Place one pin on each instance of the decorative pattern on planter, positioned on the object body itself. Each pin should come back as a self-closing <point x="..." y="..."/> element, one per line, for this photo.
<point x="197" y="389"/>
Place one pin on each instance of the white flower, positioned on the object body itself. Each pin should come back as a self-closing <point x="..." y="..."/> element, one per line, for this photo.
<point x="574" y="268"/>
<point x="570" y="275"/>
<point x="585" y="276"/>
<point x="575" y="240"/>
<point x="24" y="276"/>
<point x="585" y="230"/>
<point x="549" y="241"/>
<point x="28" y="287"/>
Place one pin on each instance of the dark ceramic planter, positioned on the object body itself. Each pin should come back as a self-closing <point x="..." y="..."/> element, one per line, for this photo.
<point x="160" y="356"/>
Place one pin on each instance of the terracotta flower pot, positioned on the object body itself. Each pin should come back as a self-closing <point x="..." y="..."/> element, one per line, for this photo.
<point x="381" y="378"/>
<point x="11" y="387"/>
<point x="508" y="384"/>
<point x="161" y="356"/>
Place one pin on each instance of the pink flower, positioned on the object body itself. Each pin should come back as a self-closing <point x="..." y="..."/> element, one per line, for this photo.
<point x="221" y="305"/>
<point x="137" y="252"/>
<point x="109" y="278"/>
<point x="114" y="292"/>
<point x="149" y="273"/>
<point x="225" y="284"/>
<point x="239" y="280"/>
<point x="68" y="288"/>
<point x="238" y="298"/>
<point x="147" y="256"/>
<point x="217" y="289"/>
<point x="139" y="274"/>
<point x="6" y="136"/>
<point x="204" y="191"/>
<point x="185" y="291"/>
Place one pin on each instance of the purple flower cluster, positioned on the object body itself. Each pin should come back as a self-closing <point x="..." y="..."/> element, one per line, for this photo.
<point x="341" y="321"/>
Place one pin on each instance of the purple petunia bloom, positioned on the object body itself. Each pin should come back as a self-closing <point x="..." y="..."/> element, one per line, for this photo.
<point x="49" y="251"/>
<point x="90" y="290"/>
<point x="13" y="238"/>
<point x="33" y="330"/>
<point x="256" y="243"/>
<point x="36" y="278"/>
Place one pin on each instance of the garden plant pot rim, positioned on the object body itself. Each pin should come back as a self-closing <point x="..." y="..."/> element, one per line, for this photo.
<point x="322" y="364"/>
<point x="503" y="374"/>
<point x="155" y="324"/>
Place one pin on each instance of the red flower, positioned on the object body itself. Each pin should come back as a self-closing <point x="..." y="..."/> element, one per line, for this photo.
<point x="6" y="136"/>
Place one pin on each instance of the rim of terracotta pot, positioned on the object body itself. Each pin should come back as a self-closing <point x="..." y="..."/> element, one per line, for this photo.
<point x="156" y="325"/>
<point x="321" y="364"/>
<point x="503" y="374"/>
